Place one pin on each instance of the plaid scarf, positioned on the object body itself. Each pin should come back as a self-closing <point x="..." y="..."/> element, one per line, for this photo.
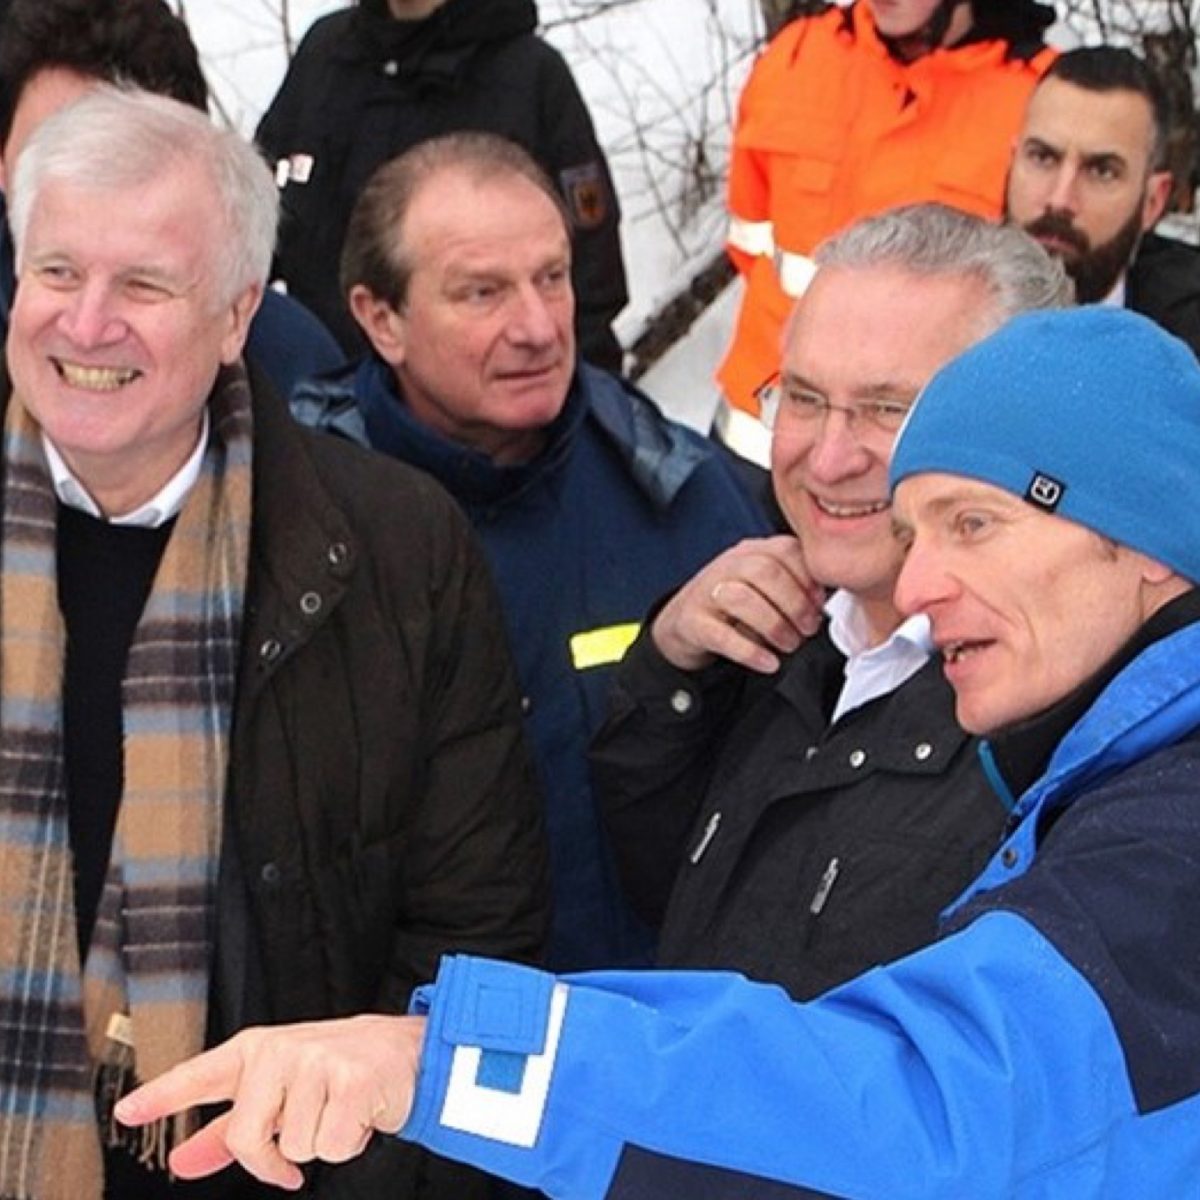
<point x="72" y="1039"/>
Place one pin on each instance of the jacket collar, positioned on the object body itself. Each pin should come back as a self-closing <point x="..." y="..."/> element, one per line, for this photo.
<point x="302" y="551"/>
<point x="466" y="473"/>
<point x="985" y="45"/>
<point x="439" y="48"/>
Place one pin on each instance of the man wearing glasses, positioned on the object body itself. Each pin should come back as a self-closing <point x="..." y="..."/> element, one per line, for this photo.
<point x="782" y="773"/>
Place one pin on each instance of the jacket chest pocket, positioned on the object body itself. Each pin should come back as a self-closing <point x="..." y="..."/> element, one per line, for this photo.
<point x="876" y="898"/>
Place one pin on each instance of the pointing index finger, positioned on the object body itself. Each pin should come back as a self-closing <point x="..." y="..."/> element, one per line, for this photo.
<point x="210" y="1078"/>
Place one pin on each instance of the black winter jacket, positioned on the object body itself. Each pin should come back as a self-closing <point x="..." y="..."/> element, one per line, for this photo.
<point x="364" y="87"/>
<point x="805" y="853"/>
<point x="381" y="808"/>
<point x="1164" y="284"/>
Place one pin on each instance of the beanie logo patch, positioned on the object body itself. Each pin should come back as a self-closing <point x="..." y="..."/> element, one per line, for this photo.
<point x="1045" y="492"/>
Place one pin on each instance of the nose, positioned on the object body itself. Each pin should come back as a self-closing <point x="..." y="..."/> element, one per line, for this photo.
<point x="1064" y="193"/>
<point x="90" y="317"/>
<point x="532" y="322"/>
<point x="836" y="452"/>
<point x="923" y="582"/>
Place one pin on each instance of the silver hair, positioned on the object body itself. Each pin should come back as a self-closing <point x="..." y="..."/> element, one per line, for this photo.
<point x="933" y="239"/>
<point x="123" y="138"/>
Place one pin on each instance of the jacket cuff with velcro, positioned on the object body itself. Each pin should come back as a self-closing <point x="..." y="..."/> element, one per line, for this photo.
<point x="487" y="1067"/>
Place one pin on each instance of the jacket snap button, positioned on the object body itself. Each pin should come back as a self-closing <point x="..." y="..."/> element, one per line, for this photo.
<point x="391" y="68"/>
<point x="271" y="874"/>
<point x="810" y="753"/>
<point x="857" y="758"/>
<point x="1010" y="857"/>
<point x="526" y="705"/>
<point x="310" y="604"/>
<point x="681" y="701"/>
<point x="270" y="650"/>
<point x="922" y="752"/>
<point x="337" y="554"/>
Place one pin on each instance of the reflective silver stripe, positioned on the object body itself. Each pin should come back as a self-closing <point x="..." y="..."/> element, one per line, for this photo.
<point x="743" y="433"/>
<point x="752" y="237"/>
<point x="795" y="272"/>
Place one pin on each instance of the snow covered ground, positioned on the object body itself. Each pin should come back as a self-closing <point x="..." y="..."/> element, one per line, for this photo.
<point x="661" y="78"/>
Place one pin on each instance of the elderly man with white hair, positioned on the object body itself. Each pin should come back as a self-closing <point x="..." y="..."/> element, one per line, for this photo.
<point x="262" y="754"/>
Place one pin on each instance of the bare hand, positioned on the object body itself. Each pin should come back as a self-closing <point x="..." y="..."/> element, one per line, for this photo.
<point x="299" y="1092"/>
<point x="751" y="604"/>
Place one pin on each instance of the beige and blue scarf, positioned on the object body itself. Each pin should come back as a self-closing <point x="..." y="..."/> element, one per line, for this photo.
<point x="74" y="1037"/>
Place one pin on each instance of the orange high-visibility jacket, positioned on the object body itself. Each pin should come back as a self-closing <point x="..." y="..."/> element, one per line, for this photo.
<point x="831" y="128"/>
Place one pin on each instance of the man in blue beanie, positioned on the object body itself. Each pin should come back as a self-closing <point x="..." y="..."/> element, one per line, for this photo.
<point x="1048" y="1044"/>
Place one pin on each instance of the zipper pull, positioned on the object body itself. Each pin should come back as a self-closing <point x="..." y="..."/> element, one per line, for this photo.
<point x="819" y="899"/>
<point x="821" y="895"/>
<point x="710" y="832"/>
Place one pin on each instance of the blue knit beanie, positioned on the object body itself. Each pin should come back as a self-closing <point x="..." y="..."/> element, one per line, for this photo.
<point x="1091" y="413"/>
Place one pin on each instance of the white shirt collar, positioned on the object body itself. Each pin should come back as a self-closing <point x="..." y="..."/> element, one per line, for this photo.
<point x="1116" y="298"/>
<point x="874" y="671"/>
<point x="156" y="511"/>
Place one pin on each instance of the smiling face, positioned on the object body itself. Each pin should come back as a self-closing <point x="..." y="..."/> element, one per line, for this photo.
<point x="1025" y="606"/>
<point x="117" y="329"/>
<point x="483" y="345"/>
<point x="1082" y="180"/>
<point x="861" y="336"/>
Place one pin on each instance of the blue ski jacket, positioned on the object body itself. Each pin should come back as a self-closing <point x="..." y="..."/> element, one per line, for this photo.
<point x="1047" y="1047"/>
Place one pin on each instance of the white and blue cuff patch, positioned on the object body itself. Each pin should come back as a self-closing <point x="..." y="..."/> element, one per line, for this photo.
<point x="504" y="1022"/>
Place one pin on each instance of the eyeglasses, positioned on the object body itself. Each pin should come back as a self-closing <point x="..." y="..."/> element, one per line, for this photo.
<point x="782" y="403"/>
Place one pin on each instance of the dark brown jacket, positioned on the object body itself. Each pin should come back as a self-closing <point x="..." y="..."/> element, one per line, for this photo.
<point x="381" y="808"/>
<point x="381" y="804"/>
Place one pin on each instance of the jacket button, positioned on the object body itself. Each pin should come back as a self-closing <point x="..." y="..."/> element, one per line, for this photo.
<point x="922" y="751"/>
<point x="857" y="758"/>
<point x="1009" y="857"/>
<point x="682" y="701"/>
<point x="337" y="553"/>
<point x="810" y="753"/>
<point x="391" y="68"/>
<point x="270" y="650"/>
<point x="270" y="874"/>
<point x="310" y="603"/>
<point x="526" y="705"/>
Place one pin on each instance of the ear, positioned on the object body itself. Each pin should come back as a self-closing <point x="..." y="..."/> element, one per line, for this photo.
<point x="1154" y="203"/>
<point x="384" y="326"/>
<point x="239" y="315"/>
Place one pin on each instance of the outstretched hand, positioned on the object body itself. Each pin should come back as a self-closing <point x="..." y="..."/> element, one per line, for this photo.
<point x="299" y="1093"/>
<point x="751" y="604"/>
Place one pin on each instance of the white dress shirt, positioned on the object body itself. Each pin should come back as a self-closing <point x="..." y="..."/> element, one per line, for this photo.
<point x="873" y="671"/>
<point x="156" y="511"/>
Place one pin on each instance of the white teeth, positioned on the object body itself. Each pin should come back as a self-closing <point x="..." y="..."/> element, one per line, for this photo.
<point x="953" y="651"/>
<point x="96" y="379"/>
<point x="852" y="510"/>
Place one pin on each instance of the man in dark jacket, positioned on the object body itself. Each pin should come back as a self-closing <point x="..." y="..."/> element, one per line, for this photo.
<point x="803" y="782"/>
<point x="368" y="83"/>
<point x="589" y="503"/>
<point x="263" y="756"/>
<point x="51" y="52"/>
<point x="1089" y="180"/>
